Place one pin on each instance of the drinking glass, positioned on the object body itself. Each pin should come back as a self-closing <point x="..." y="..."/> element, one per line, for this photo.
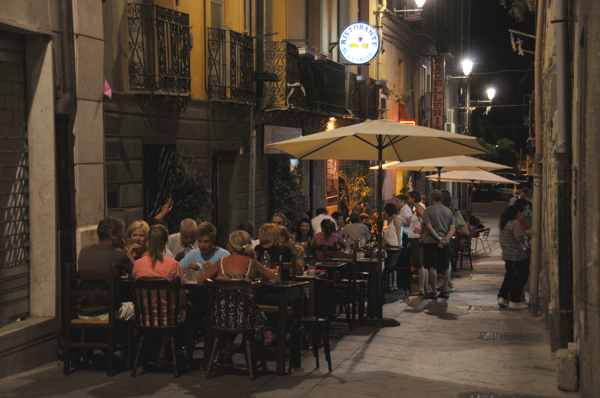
<point x="311" y="269"/>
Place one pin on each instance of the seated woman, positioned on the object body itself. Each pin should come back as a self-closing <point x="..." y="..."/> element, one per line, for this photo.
<point x="270" y="239"/>
<point x="327" y="236"/>
<point x="155" y="264"/>
<point x="137" y="239"/>
<point x="304" y="233"/>
<point x="241" y="265"/>
<point x="297" y="249"/>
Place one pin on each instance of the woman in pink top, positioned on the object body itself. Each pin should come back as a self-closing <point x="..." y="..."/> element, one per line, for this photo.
<point x="154" y="264"/>
<point x="327" y="236"/>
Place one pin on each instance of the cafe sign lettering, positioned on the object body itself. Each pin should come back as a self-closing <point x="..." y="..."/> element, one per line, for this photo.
<point x="359" y="43"/>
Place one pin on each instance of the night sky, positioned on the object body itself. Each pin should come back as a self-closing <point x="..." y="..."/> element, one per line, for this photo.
<point x="493" y="59"/>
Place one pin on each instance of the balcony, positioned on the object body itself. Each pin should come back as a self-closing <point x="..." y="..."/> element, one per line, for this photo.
<point x="323" y="80"/>
<point x="230" y="65"/>
<point x="159" y="49"/>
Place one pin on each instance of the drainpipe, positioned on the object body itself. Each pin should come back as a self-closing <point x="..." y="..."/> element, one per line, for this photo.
<point x="563" y="158"/>
<point x="537" y="167"/>
<point x="63" y="150"/>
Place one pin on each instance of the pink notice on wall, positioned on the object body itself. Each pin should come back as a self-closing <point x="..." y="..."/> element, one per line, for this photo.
<point x="437" y="106"/>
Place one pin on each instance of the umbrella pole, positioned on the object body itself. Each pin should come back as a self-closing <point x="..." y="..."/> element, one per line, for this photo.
<point x="379" y="321"/>
<point x="439" y="177"/>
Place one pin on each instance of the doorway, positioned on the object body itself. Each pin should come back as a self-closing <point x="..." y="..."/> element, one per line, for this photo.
<point x="225" y="194"/>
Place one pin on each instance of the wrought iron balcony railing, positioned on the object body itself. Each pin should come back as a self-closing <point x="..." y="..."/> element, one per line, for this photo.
<point x="159" y="49"/>
<point x="363" y="97"/>
<point x="230" y="65"/>
<point x="324" y="81"/>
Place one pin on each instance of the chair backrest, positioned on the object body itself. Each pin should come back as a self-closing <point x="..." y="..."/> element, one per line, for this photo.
<point x="289" y="266"/>
<point x="325" y="298"/>
<point x="486" y="233"/>
<point x="157" y="302"/>
<point x="75" y="283"/>
<point x="321" y="251"/>
<point x="233" y="304"/>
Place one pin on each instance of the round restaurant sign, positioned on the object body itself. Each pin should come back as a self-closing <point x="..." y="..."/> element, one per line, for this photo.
<point x="359" y="43"/>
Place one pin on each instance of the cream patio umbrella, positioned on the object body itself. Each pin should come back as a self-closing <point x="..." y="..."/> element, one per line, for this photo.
<point x="473" y="176"/>
<point x="380" y="140"/>
<point x="448" y="163"/>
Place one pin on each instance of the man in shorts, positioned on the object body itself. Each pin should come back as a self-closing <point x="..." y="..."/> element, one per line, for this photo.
<point x="439" y="225"/>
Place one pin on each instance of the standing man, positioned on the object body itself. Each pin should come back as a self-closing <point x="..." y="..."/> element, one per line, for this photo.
<point x="184" y="241"/>
<point x="98" y="257"/>
<point x="316" y="222"/>
<point x="207" y="253"/>
<point x="439" y="224"/>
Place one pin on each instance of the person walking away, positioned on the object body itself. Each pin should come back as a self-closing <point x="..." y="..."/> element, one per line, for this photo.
<point x="439" y="223"/>
<point x="514" y="256"/>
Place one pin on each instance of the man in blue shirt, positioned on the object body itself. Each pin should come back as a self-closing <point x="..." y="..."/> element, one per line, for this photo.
<point x="207" y="253"/>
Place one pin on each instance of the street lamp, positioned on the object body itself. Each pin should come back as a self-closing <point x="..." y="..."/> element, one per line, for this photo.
<point x="491" y="93"/>
<point x="467" y="67"/>
<point x="420" y="3"/>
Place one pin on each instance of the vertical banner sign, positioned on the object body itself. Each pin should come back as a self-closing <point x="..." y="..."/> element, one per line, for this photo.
<point x="437" y="98"/>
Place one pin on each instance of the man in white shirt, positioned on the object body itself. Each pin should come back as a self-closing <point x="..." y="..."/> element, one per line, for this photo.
<point x="184" y="241"/>
<point x="316" y="222"/>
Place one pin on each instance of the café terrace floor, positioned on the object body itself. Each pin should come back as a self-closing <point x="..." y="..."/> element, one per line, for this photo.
<point x="463" y="347"/>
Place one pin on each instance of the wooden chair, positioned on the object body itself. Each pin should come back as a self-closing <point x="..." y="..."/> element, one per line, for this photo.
<point x="462" y="248"/>
<point x="318" y="325"/>
<point x="483" y="237"/>
<point x="351" y="288"/>
<point x="72" y="322"/>
<point x="153" y="316"/>
<point x="321" y="251"/>
<point x="230" y="301"/>
<point x="287" y="267"/>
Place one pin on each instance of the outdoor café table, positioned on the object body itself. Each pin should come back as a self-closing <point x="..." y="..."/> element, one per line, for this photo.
<point x="286" y="293"/>
<point x="331" y="267"/>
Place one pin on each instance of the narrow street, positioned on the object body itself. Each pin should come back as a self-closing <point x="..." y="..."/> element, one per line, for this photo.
<point x="463" y="347"/>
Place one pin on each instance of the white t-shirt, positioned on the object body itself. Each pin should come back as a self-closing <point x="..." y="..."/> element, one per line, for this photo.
<point x="415" y="223"/>
<point x="316" y="222"/>
<point x="405" y="214"/>
<point x="175" y="246"/>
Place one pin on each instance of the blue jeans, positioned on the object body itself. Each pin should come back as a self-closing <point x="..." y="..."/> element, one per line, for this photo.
<point x="514" y="279"/>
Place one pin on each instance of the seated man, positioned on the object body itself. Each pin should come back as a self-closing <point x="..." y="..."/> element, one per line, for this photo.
<point x="207" y="253"/>
<point x="97" y="258"/>
<point x="355" y="230"/>
<point x="184" y="241"/>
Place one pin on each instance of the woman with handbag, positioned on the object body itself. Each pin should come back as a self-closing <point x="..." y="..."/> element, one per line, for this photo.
<point x="415" y="237"/>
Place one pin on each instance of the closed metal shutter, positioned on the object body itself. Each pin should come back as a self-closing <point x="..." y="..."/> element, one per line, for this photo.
<point x="14" y="180"/>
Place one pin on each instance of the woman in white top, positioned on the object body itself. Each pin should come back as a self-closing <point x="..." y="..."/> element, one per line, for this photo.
<point x="393" y="242"/>
<point x="414" y="233"/>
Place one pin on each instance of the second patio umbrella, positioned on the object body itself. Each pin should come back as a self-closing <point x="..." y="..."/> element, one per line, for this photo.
<point x="448" y="163"/>
<point x="380" y="140"/>
<point x="473" y="176"/>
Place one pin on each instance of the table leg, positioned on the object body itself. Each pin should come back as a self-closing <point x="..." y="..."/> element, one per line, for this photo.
<point x="296" y="337"/>
<point x="281" y="337"/>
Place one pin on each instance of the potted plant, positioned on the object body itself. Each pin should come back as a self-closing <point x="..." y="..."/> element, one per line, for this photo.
<point x="401" y="98"/>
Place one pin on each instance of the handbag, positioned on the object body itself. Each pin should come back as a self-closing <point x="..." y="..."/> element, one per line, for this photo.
<point x="422" y="230"/>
